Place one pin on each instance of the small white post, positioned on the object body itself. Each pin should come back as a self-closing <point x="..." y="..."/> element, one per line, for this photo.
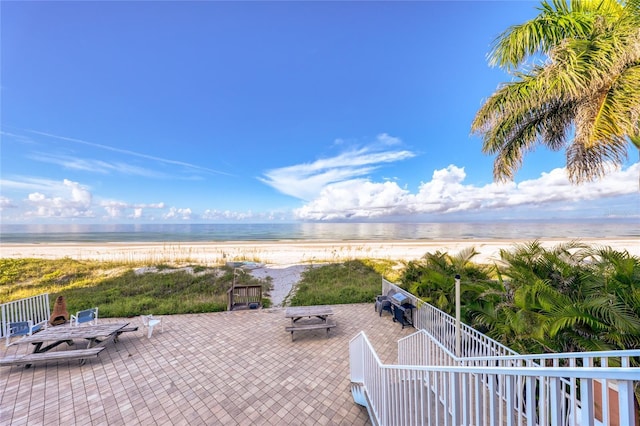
<point x="458" y="335"/>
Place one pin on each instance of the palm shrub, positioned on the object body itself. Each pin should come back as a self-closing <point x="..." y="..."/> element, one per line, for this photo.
<point x="564" y="299"/>
<point x="432" y="278"/>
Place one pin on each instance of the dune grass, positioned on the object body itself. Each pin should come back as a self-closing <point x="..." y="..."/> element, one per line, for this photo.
<point x="353" y="281"/>
<point x="123" y="289"/>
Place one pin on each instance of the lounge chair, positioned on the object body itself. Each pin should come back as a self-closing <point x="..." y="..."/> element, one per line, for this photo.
<point x="88" y="316"/>
<point x="20" y="328"/>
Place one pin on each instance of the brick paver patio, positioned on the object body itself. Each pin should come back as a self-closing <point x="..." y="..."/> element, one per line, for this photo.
<point x="230" y="368"/>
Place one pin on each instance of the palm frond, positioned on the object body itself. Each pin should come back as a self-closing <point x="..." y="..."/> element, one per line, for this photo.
<point x="555" y="23"/>
<point x="589" y="84"/>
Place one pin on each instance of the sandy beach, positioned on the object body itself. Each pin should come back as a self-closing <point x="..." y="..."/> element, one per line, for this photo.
<point x="284" y="252"/>
<point x="284" y="261"/>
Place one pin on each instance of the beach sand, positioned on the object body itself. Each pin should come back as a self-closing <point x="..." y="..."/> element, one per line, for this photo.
<point x="284" y="261"/>
<point x="284" y="278"/>
<point x="284" y="252"/>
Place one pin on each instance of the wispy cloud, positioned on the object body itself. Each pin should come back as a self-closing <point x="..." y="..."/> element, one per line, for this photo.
<point x="27" y="183"/>
<point x="131" y="153"/>
<point x="97" y="166"/>
<point x="306" y="181"/>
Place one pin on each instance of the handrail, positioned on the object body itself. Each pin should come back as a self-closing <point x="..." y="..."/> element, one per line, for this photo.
<point x="489" y="383"/>
<point x="595" y="354"/>
<point x="462" y="394"/>
<point x="407" y="355"/>
<point x="442" y="326"/>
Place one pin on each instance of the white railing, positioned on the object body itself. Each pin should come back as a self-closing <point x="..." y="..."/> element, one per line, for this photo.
<point x="421" y="348"/>
<point x="484" y="395"/>
<point x="496" y="384"/>
<point x="36" y="309"/>
<point x="442" y="327"/>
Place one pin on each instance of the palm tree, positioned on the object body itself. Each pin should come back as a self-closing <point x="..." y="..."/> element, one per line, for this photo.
<point x="576" y="75"/>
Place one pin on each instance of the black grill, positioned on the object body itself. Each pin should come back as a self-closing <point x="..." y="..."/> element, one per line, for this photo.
<point x="400" y="299"/>
<point x="402" y="309"/>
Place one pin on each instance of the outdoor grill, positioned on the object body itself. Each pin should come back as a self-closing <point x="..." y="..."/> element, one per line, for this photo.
<point x="402" y="309"/>
<point x="400" y="299"/>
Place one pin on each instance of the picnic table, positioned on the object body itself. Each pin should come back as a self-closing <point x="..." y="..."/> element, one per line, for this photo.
<point x="97" y="337"/>
<point x="314" y="313"/>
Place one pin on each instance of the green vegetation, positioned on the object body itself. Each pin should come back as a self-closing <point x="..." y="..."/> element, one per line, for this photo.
<point x="120" y="289"/>
<point x="354" y="281"/>
<point x="564" y="299"/>
<point x="567" y="298"/>
<point x="575" y="85"/>
<point x="125" y="289"/>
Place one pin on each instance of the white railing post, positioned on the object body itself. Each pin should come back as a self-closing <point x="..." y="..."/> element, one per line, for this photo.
<point x="492" y="400"/>
<point x="530" y="408"/>
<point x="604" y="395"/>
<point x="456" y="399"/>
<point x="509" y="395"/>
<point x="356" y="359"/>
<point x="626" y="398"/>
<point x="587" y="403"/>
<point x="458" y="333"/>
<point x="554" y="398"/>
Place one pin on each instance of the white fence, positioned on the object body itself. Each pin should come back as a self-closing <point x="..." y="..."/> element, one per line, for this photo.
<point x="36" y="309"/>
<point x="489" y="384"/>
<point x="483" y="395"/>
<point x="442" y="327"/>
<point x="423" y="349"/>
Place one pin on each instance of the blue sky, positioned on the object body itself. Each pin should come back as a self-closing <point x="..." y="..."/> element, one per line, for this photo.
<point x="266" y="111"/>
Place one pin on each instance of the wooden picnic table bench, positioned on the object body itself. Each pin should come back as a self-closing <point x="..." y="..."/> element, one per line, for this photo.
<point x="297" y="313"/>
<point x="97" y="337"/>
<point x="37" y="357"/>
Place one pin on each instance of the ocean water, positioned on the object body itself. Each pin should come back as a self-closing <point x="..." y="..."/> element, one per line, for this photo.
<point x="69" y="233"/>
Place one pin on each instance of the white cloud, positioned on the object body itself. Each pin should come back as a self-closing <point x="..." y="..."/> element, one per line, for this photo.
<point x="307" y="181"/>
<point x="214" y="214"/>
<point x="117" y="209"/>
<point x="447" y="193"/>
<point x="6" y="203"/>
<point x="175" y="213"/>
<point x="69" y="200"/>
<point x="385" y="139"/>
<point x="245" y="216"/>
<point x="356" y="198"/>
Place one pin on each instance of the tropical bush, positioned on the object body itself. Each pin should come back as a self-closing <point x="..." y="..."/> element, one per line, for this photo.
<point x="567" y="298"/>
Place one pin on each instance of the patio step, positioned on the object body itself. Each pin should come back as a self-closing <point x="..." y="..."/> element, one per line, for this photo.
<point x="360" y="397"/>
